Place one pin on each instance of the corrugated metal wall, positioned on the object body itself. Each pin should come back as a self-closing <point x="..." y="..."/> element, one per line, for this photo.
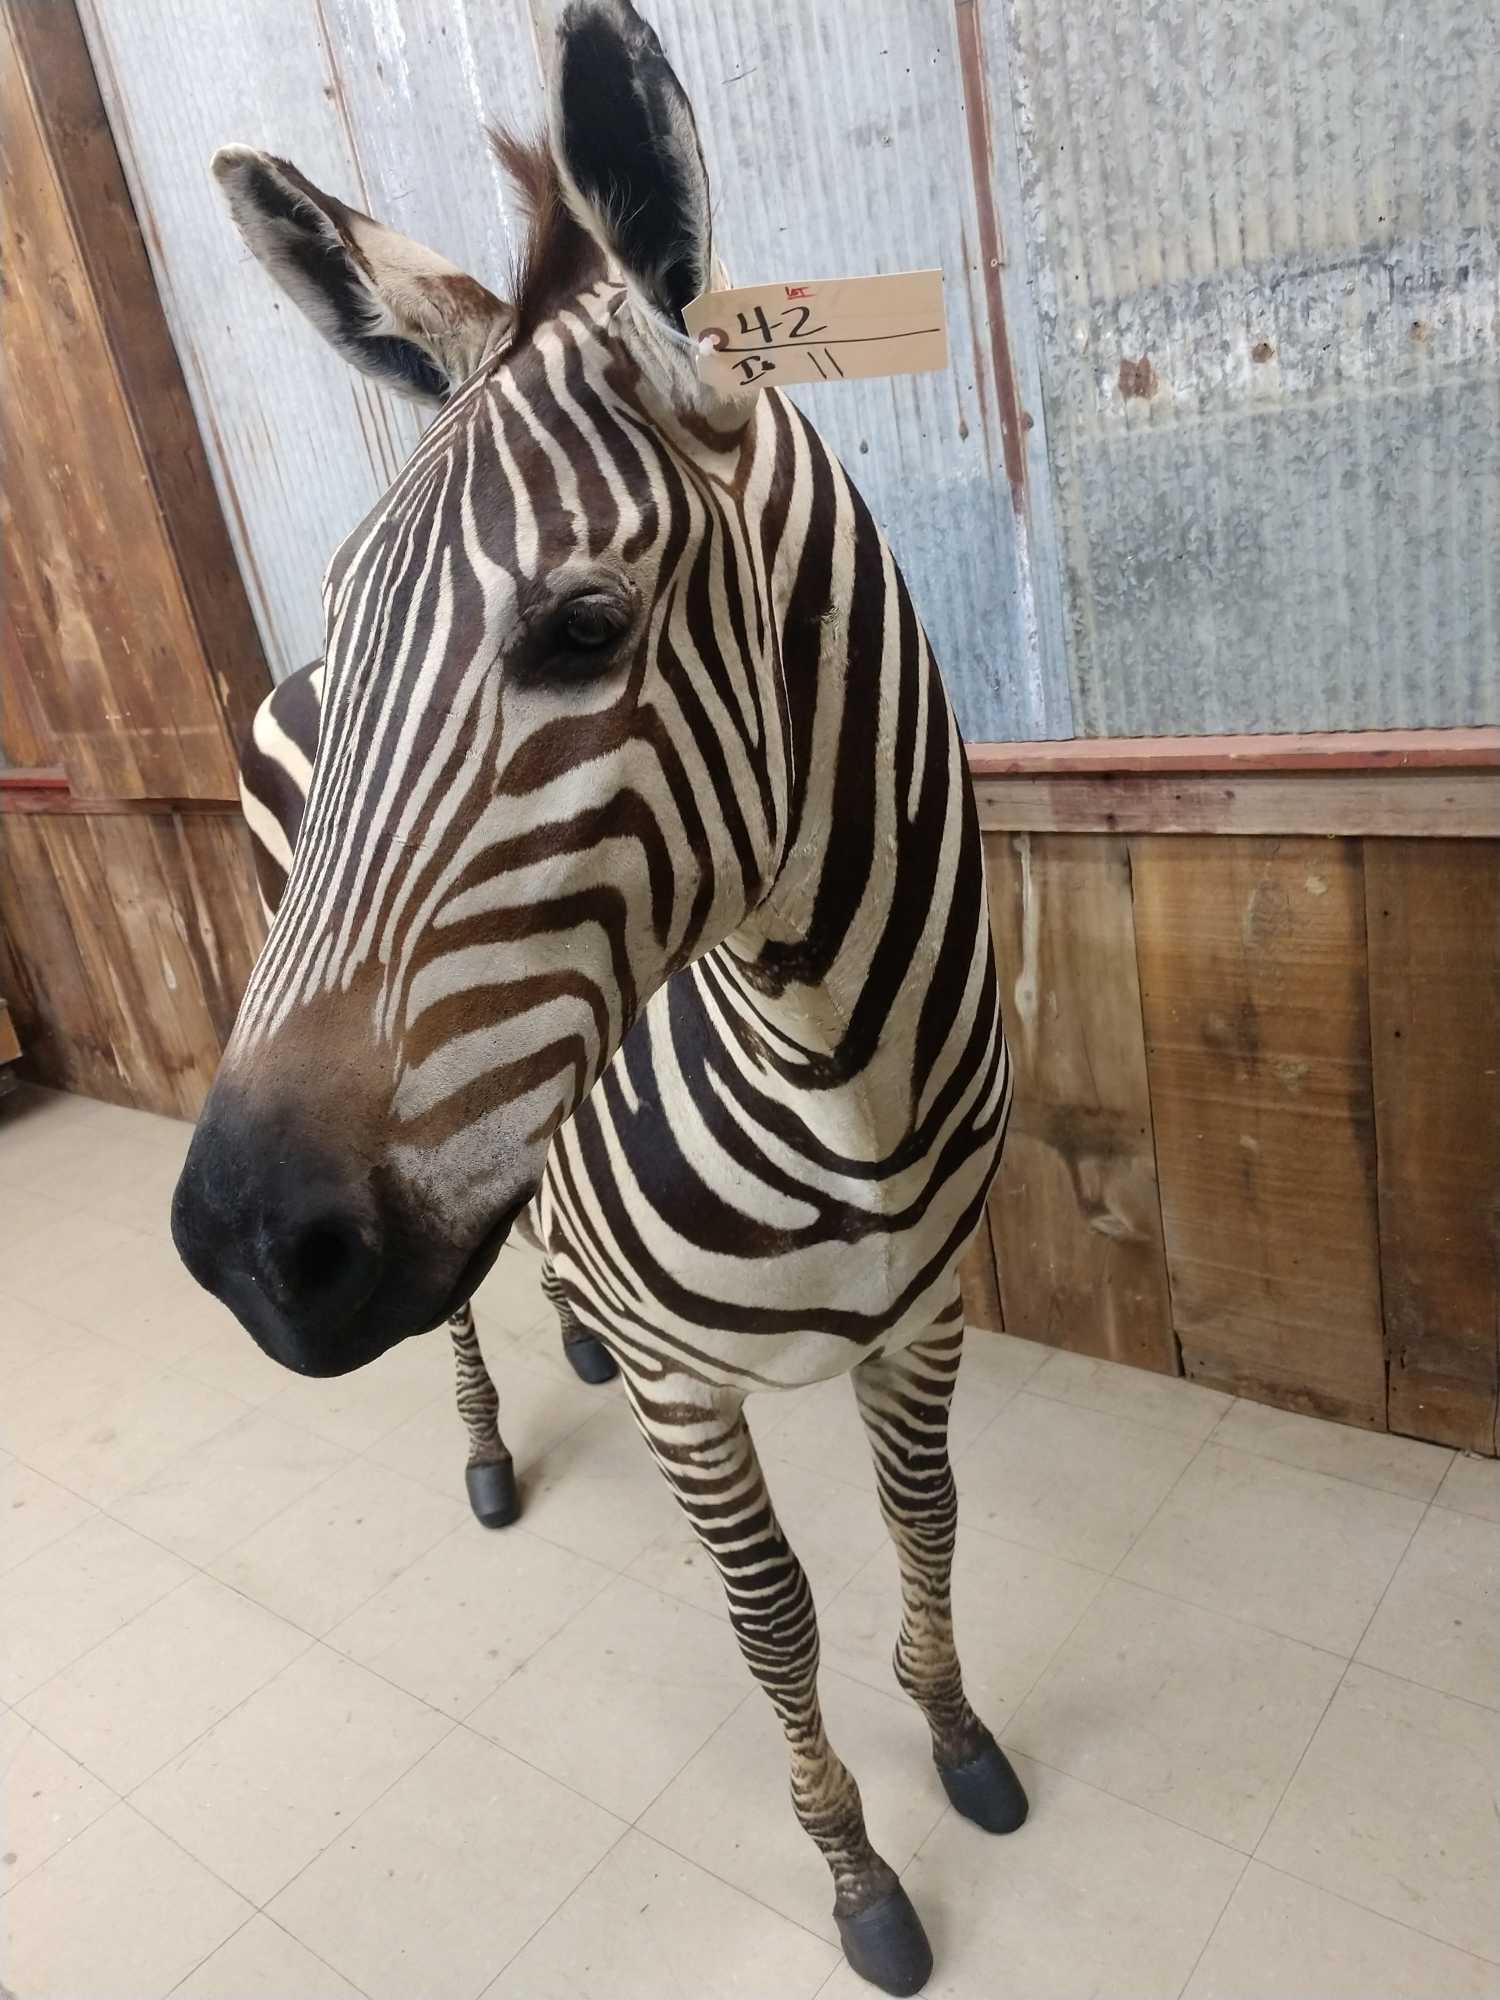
<point x="1262" y="243"/>
<point x="1220" y="445"/>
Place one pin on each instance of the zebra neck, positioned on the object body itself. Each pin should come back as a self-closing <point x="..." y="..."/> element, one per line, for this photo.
<point x="860" y="977"/>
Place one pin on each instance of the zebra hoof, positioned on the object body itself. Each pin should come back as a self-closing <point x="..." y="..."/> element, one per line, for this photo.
<point x="591" y="1360"/>
<point x="492" y="1492"/>
<point x="986" y="1790"/>
<point x="887" y="1945"/>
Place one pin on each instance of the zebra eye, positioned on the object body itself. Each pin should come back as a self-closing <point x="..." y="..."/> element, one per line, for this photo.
<point x="591" y="623"/>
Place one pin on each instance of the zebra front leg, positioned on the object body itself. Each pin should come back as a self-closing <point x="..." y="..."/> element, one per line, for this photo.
<point x="904" y="1399"/>
<point x="490" y="1476"/>
<point x="588" y="1357"/>
<point x="701" y="1442"/>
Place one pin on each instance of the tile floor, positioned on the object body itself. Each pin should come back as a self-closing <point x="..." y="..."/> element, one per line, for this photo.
<point x="279" y="1721"/>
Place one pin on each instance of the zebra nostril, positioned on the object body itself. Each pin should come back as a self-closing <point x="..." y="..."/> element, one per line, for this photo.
<point x="330" y="1261"/>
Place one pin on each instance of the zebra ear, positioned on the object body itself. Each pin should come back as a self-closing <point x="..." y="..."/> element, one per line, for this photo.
<point x="391" y="308"/>
<point x="627" y="152"/>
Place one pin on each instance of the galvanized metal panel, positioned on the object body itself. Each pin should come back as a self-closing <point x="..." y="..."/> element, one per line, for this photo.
<point x="382" y="101"/>
<point x="836" y="143"/>
<point x="1262" y="241"/>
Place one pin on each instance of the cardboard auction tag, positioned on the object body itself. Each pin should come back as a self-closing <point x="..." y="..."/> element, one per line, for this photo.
<point x="824" y="330"/>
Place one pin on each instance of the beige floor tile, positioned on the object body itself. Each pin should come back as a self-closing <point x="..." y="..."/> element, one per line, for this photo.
<point x="268" y="1787"/>
<point x="1369" y="1458"/>
<point x="1012" y="1608"/>
<point x="597" y="1491"/>
<point x="511" y="1303"/>
<point x="1472" y="1487"/>
<point x="28" y="1335"/>
<point x="646" y="1924"/>
<point x="141" y="1296"/>
<point x="76" y="1374"/>
<point x="1070" y="1482"/>
<point x="539" y="1406"/>
<point x="756" y="1844"/>
<point x="49" y="1144"/>
<point x="1119" y="1391"/>
<point x="46" y="1798"/>
<point x="1281" y="1939"/>
<point x="229" y="1359"/>
<point x="1092" y="1899"/>
<point x="104" y="1419"/>
<point x="472" y="1850"/>
<point x="72" y="1594"/>
<point x="34" y="1511"/>
<point x="322" y="1556"/>
<point x="467" y="1614"/>
<point x="821" y="1429"/>
<point x="1197" y="1717"/>
<point x="359" y="1409"/>
<point x="1439" y="1623"/>
<point x="1298" y="1552"/>
<point x="143" y="1694"/>
<point x="261" y="1962"/>
<point x="32" y="1268"/>
<point x="205" y="1500"/>
<point x="834" y="1528"/>
<point x="621" y="1698"/>
<point x="24" y="1213"/>
<point x="118" y="1914"/>
<point x="1393" y="1808"/>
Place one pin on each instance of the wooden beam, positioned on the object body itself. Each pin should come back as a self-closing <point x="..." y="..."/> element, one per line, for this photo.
<point x="1074" y="1214"/>
<point x="126" y="605"/>
<point x="1344" y="750"/>
<point x="1433" y="920"/>
<point x="1254" y="990"/>
<point x="1414" y="804"/>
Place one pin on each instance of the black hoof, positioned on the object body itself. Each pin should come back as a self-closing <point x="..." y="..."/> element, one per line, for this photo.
<point x="887" y="1945"/>
<point x="986" y="1790"/>
<point x="492" y="1492"/>
<point x="590" y="1358"/>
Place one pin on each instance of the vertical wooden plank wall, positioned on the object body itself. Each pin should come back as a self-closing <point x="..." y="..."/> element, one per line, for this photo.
<point x="1433" y="920"/>
<point x="1075" y="1218"/>
<point x="129" y="661"/>
<point x="1257" y="1128"/>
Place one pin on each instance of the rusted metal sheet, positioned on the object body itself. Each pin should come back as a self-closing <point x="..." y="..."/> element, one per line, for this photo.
<point x="1262" y="244"/>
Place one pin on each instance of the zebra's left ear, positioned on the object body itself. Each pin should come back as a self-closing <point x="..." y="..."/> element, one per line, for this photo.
<point x="627" y="152"/>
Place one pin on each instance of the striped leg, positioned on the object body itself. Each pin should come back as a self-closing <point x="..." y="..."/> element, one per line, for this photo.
<point x="904" y="1399"/>
<point x="702" y="1444"/>
<point x="588" y="1357"/>
<point x="490" y="1476"/>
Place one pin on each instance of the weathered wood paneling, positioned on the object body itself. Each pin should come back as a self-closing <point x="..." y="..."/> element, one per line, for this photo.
<point x="1253" y="986"/>
<point x="1433" y="913"/>
<point x="125" y="942"/>
<point x="1074" y="1215"/>
<point x="128" y="615"/>
<point x="1436" y="805"/>
<point x="979" y="1283"/>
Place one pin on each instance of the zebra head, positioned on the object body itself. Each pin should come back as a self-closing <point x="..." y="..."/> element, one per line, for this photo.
<point x="553" y="764"/>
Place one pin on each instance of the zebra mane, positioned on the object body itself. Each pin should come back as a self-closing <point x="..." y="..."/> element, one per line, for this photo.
<point x="559" y="257"/>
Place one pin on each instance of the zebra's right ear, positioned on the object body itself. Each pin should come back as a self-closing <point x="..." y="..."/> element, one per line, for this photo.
<point x="627" y="153"/>
<point x="391" y="307"/>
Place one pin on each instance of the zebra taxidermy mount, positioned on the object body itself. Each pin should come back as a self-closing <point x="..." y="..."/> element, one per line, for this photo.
<point x="639" y="892"/>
